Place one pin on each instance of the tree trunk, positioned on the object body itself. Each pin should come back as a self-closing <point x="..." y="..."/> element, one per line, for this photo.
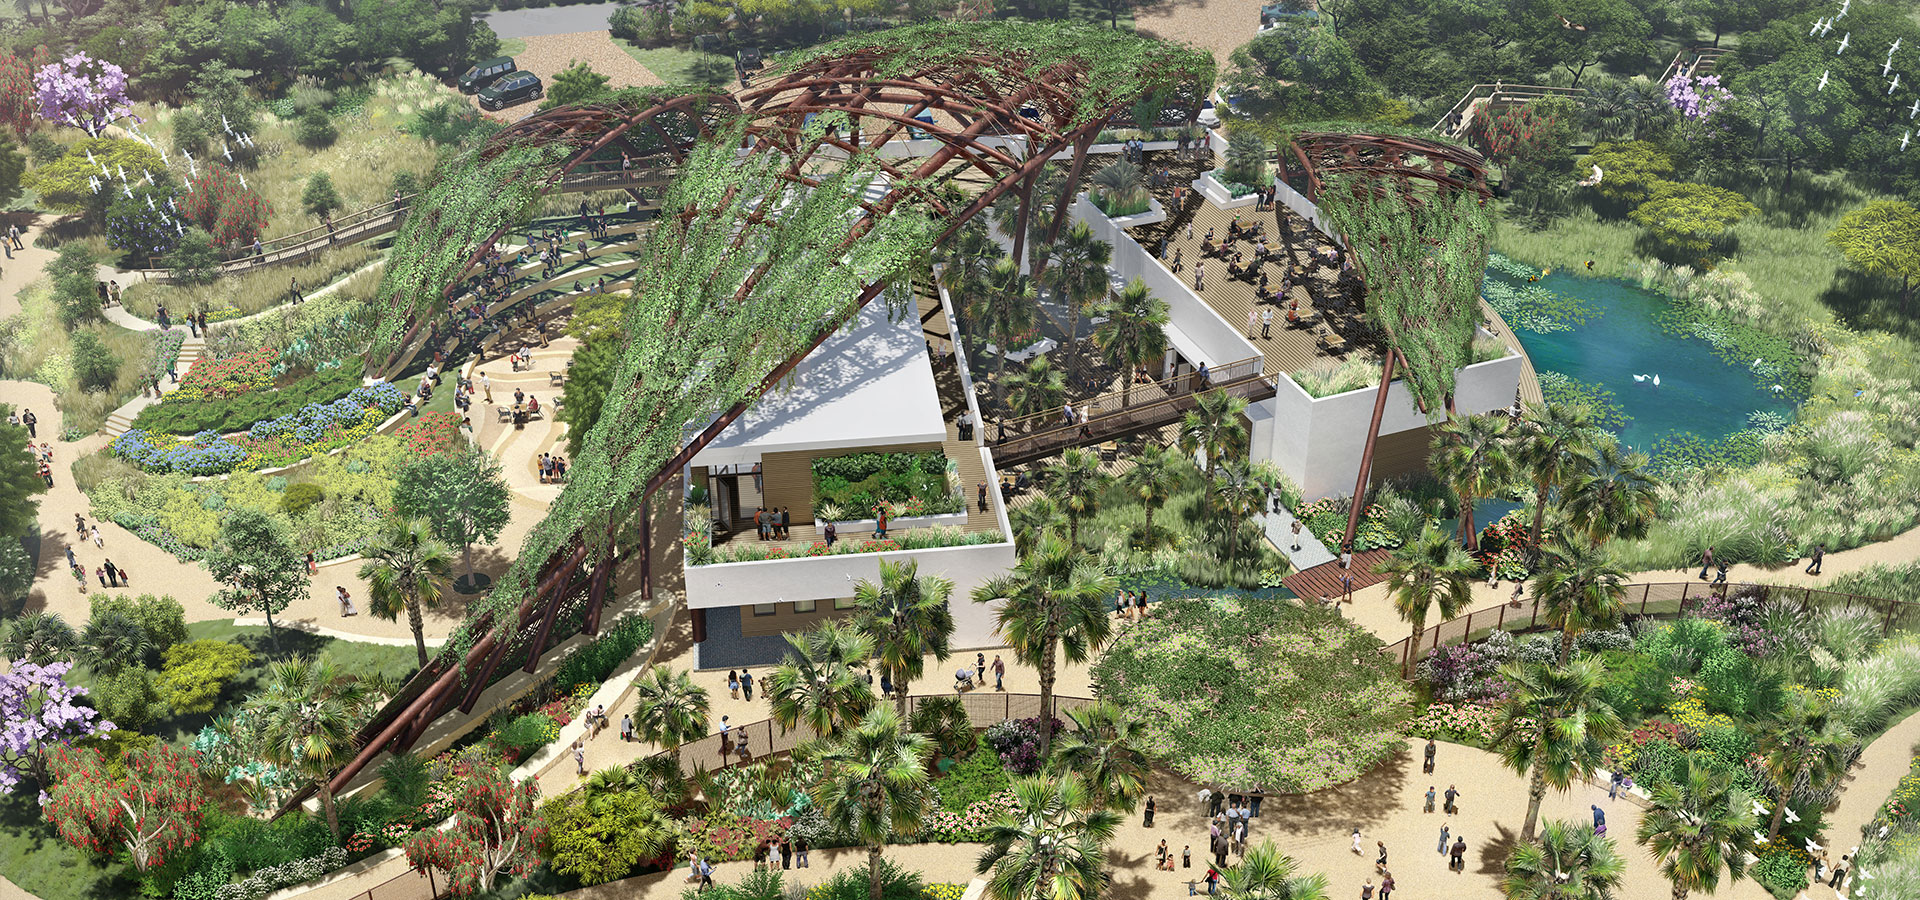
<point x="1467" y="537"/>
<point x="873" y="872"/>
<point x="1539" y="514"/>
<point x="419" y="628"/>
<point x="467" y="551"/>
<point x="273" y="638"/>
<point x="333" y="814"/>
<point x="900" y="693"/>
<point x="1566" y="646"/>
<point x="1049" y="641"/>
<point x="1149" y="509"/>
<point x="1780" y="807"/>
<point x="1536" y="792"/>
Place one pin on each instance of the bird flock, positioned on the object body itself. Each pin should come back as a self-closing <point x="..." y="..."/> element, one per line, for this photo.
<point x="104" y="181"/>
<point x="1823" y="27"/>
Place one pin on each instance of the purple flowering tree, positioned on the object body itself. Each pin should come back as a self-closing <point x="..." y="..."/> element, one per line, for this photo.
<point x="37" y="709"/>
<point x="81" y="91"/>
<point x="1696" y="98"/>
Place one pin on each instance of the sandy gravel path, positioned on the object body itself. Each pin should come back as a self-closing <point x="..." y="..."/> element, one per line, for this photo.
<point x="1217" y="26"/>
<point x="547" y="54"/>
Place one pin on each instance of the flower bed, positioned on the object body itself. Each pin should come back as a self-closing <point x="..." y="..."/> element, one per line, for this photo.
<point x="1252" y="690"/>
<point x="181" y="413"/>
<point x="1328" y="522"/>
<point x="1466" y="723"/>
<point x="434" y="432"/>
<point x="701" y="552"/>
<point x="313" y="429"/>
<point x="218" y="379"/>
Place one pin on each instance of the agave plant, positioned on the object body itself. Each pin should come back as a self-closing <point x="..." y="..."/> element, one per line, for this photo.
<point x="1120" y="188"/>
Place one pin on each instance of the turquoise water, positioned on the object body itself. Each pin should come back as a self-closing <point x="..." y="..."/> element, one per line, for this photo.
<point x="1698" y="392"/>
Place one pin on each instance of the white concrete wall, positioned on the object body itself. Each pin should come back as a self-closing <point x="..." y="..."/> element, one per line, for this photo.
<point x="1320" y="442"/>
<point x="1302" y="206"/>
<point x="828" y="577"/>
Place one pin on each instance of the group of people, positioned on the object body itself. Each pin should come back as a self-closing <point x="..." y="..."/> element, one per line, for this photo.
<point x="553" y="468"/>
<point x="1130" y="605"/>
<point x="771" y="524"/>
<point x="109" y="292"/>
<point x="108" y="574"/>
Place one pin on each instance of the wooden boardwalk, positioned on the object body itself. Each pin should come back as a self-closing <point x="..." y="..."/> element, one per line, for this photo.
<point x="1324" y="580"/>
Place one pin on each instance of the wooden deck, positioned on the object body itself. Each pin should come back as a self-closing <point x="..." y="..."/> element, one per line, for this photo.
<point x="1315" y="285"/>
<point x="1324" y="580"/>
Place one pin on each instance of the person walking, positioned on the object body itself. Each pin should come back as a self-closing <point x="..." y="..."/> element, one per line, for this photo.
<point x="800" y="851"/>
<point x="98" y="541"/>
<point x="1356" y="840"/>
<point x="486" y="387"/>
<point x="1720" y="572"/>
<point x="1147" y="822"/>
<point x="831" y="534"/>
<point x="1427" y="766"/>
<point x="293" y="289"/>
<point x="346" y="601"/>
<point x="999" y="673"/>
<point x="28" y="419"/>
<point x="1706" y="562"/>
<point x="746" y="684"/>
<point x="1458" y="861"/>
<point x="706" y="875"/>
<point x="1452" y="795"/>
<point x="1366" y="890"/>
<point x="1296" y="535"/>
<point x="101" y="574"/>
<point x="1266" y="323"/>
<point x="1429" y="805"/>
<point x="1613" y="786"/>
<point x="580" y="756"/>
<point x="1186" y="856"/>
<point x="626" y="728"/>
<point x="733" y="683"/>
<point x="1819" y="553"/>
<point x="1446" y="831"/>
<point x="1380" y="860"/>
<point x="1599" y="819"/>
<point x="1839" y="873"/>
<point x="1386" y="885"/>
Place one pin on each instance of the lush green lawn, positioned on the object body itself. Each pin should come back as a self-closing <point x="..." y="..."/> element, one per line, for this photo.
<point x="1784" y="250"/>
<point x="676" y="65"/>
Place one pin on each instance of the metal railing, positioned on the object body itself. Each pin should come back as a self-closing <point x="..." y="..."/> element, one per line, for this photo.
<point x="1498" y="92"/>
<point x="1139" y="396"/>
<point x="1660" y="599"/>
<point x="765" y="738"/>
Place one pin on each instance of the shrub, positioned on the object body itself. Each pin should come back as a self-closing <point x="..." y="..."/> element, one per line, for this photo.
<point x="592" y="663"/>
<point x="298" y="497"/>
<point x="93" y="363"/>
<point x="196" y="673"/>
<point x="315" y="129"/>
<point x="525" y="735"/>
<point x="230" y="395"/>
<point x="162" y="620"/>
<point x="194" y="260"/>
<point x="130" y="699"/>
<point x="190" y="132"/>
<point x="646" y="27"/>
<point x="1782" y="870"/>
<point x="1016" y="743"/>
<point x="855" y="884"/>
<point x="975" y="777"/>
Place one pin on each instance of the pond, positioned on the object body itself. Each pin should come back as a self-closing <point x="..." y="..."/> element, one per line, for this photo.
<point x="1621" y="337"/>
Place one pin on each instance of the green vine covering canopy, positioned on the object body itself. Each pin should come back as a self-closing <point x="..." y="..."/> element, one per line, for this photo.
<point x="1115" y="68"/>
<point x="1424" y="256"/>
<point x="755" y="268"/>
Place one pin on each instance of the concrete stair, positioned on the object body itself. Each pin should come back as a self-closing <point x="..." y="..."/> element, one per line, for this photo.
<point x="122" y="419"/>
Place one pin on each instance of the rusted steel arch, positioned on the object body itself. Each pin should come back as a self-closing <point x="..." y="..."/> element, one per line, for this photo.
<point x="1389" y="158"/>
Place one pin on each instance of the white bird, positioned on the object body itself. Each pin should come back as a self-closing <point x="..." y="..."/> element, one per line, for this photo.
<point x="1813" y="847"/>
<point x="1886" y="67"/>
<point x="1758" y="808"/>
<point x="1845" y="39"/>
<point x="229" y="128"/>
<point x="1823" y="78"/>
<point x="150" y="205"/>
<point x="1760" y="837"/>
<point x="178" y="230"/>
<point x="1895" y="48"/>
<point x="1826" y="29"/>
<point x="1844" y="6"/>
<point x="189" y="187"/>
<point x="1915" y="110"/>
<point x="1792" y="817"/>
<point x="227" y="152"/>
<point x="171" y="206"/>
<point x="1895" y="84"/>
<point x="123" y="171"/>
<point x="1598" y="174"/>
<point x="1644" y="378"/>
<point x="1906" y="139"/>
<point x="93" y="183"/>
<point x="149" y="175"/>
<point x="1817" y="25"/>
<point x="1656" y="381"/>
<point x="90" y="160"/>
<point x="1862" y="873"/>
<point x="243" y="178"/>
<point x="127" y="190"/>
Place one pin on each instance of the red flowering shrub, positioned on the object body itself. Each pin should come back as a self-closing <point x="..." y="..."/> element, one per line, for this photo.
<point x="212" y="379"/>
<point x="16" y="93"/>
<point x="234" y="214"/>
<point x="497" y="828"/>
<point x="432" y="433"/>
<point x="151" y="811"/>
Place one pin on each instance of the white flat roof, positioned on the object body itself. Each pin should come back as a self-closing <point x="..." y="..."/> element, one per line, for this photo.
<point x="862" y="388"/>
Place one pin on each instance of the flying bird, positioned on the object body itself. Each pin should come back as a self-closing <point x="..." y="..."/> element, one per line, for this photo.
<point x="1826" y="29"/>
<point x="149" y="175"/>
<point x="1905" y="139"/>
<point x="1895" y="84"/>
<point x="1895" y="48"/>
<point x="243" y="178"/>
<point x="1845" y="39"/>
<point x="123" y="172"/>
<point x="93" y="183"/>
<point x="178" y="230"/>
<point x="1760" y="837"/>
<point x="150" y="205"/>
<point x="1817" y="25"/>
<point x="1564" y="23"/>
<point x="1759" y="809"/>
<point x="1792" y="816"/>
<point x="1915" y="111"/>
<point x="227" y="152"/>
<point x="1844" y="6"/>
<point x="90" y="160"/>
<point x="1886" y="67"/>
<point x="127" y="190"/>
<point x="1862" y="873"/>
<point x="229" y="128"/>
<point x="1813" y="847"/>
<point x="1823" y="78"/>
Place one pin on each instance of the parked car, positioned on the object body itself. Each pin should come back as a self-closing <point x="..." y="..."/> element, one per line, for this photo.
<point x="511" y="90"/>
<point x="485" y="73"/>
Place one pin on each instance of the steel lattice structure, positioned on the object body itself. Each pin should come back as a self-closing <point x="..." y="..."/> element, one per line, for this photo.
<point x="999" y="118"/>
<point x="1384" y="159"/>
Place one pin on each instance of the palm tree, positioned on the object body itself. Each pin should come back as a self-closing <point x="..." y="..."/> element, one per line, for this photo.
<point x="907" y="617"/>
<point x="1216" y="425"/>
<point x="669" y="710"/>
<point x="1264" y="873"/>
<point x="1552" y="440"/>
<point x="816" y="685"/>
<point x="1805" y="744"/>
<point x="1240" y="490"/>
<point x="40" y="638"/>
<point x="1570" y="862"/>
<point x="1050" y="844"/>
<point x="1120" y="183"/>
<point x="1004" y="308"/>
<point x="1698" y="827"/>
<point x="1134" y="334"/>
<point x="1076" y="482"/>
<point x="1427" y="571"/>
<point x="112" y="642"/>
<point x="1612" y="495"/>
<point x="1035" y="387"/>
<point x="1155" y="475"/>
<point x="1470" y="456"/>
<point x="306" y="714"/>
<point x="876" y="785"/>
<point x="1580" y="590"/>
<point x="407" y="568"/>
<point x="1034" y="518"/>
<point x="1077" y="276"/>
<point x="1555" y="725"/>
<point x="967" y="257"/>
<point x="1104" y="749"/>
<point x="1055" y="606"/>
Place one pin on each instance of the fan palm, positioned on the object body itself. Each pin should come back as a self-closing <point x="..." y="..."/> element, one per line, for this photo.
<point x="39" y="638"/>
<point x="816" y="685"/>
<point x="1430" y="570"/>
<point x="1240" y="490"/>
<point x="1697" y="828"/>
<point x="1121" y="184"/>
<point x="1003" y="306"/>
<point x="906" y="616"/>
<point x="1264" y="873"/>
<point x="112" y="642"/>
<point x="1077" y="276"/>
<point x="669" y="710"/>
<point x="1050" y="844"/>
<point x="875" y="785"/>
<point x="306" y="714"/>
<point x="1035" y="388"/>
<point x="966" y="258"/>
<point x="1134" y="334"/>
<point x="1076" y="482"/>
<point x="1555" y="725"/>
<point x="1551" y="442"/>
<point x="1608" y="108"/>
<point x="1612" y="495"/>
<point x="1570" y="862"/>
<point x="1155" y="475"/>
<point x="407" y="569"/>
<point x="1038" y="516"/>
<point x="1055" y="605"/>
<point x="1805" y="744"/>
<point x="1103" y="748"/>
<point x="1580" y="591"/>
<point x="1216" y="426"/>
<point x="1470" y="456"/>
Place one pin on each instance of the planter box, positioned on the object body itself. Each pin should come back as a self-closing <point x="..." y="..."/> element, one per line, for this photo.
<point x="1154" y="213"/>
<point x="854" y="528"/>
<point x="1218" y="195"/>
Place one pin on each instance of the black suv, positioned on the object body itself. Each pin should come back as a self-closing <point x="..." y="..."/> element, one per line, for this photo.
<point x="511" y="90"/>
<point x="482" y="74"/>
